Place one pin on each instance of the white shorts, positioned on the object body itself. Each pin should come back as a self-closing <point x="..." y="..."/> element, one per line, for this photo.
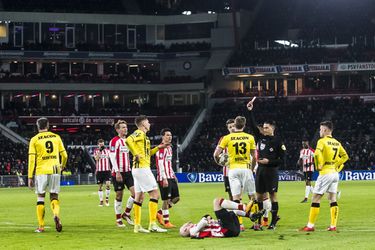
<point x="47" y="182"/>
<point x="326" y="183"/>
<point x="241" y="181"/>
<point x="144" y="180"/>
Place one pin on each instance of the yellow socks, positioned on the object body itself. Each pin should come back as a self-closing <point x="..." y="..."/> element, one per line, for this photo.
<point x="55" y="206"/>
<point x="334" y="214"/>
<point x="40" y="211"/>
<point x="314" y="212"/>
<point x="137" y="212"/>
<point x="152" y="210"/>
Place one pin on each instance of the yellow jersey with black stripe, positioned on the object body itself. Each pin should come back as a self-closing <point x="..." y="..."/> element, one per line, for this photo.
<point x="45" y="150"/>
<point x="139" y="145"/>
<point x="239" y="145"/>
<point x="329" y="155"/>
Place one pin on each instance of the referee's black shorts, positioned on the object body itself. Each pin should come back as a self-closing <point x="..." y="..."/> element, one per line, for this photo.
<point x="267" y="180"/>
<point x="169" y="192"/>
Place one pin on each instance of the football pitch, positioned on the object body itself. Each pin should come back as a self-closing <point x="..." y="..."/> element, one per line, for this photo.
<point x="88" y="226"/>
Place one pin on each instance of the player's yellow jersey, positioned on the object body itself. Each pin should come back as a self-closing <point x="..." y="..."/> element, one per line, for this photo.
<point x="239" y="145"/>
<point x="45" y="150"/>
<point x="139" y="144"/>
<point x="329" y="155"/>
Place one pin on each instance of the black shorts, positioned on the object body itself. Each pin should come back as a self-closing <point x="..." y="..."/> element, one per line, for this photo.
<point x="127" y="180"/>
<point x="308" y="175"/>
<point x="169" y="192"/>
<point x="226" y="184"/>
<point x="103" y="176"/>
<point x="267" y="180"/>
<point x="229" y="221"/>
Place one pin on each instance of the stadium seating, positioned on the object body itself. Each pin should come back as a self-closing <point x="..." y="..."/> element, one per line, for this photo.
<point x="295" y="120"/>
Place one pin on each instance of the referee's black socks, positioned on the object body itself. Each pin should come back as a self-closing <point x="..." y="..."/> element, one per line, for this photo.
<point x="274" y="212"/>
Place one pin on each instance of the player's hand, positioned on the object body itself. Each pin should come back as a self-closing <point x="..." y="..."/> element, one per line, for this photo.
<point x="250" y="104"/>
<point x="165" y="183"/>
<point x="118" y="177"/>
<point x="263" y="161"/>
<point x="30" y="183"/>
<point x="137" y="158"/>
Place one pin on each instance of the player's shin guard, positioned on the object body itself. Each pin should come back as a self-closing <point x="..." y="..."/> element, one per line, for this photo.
<point x="314" y="212"/>
<point x="118" y="207"/>
<point x="100" y="193"/>
<point x="334" y="213"/>
<point x="129" y="205"/>
<point x="137" y="207"/>
<point x="55" y="206"/>
<point x="152" y="210"/>
<point x="307" y="191"/>
<point x="40" y="211"/>
<point x="274" y="212"/>
<point x="107" y="193"/>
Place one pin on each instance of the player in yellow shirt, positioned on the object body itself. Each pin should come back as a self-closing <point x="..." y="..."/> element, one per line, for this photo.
<point x="329" y="159"/>
<point x="144" y="181"/>
<point x="45" y="151"/>
<point x="241" y="153"/>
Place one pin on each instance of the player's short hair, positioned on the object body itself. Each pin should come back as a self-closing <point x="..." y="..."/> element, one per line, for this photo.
<point x="327" y="124"/>
<point x="100" y="141"/>
<point x="270" y="122"/>
<point x="240" y="122"/>
<point x="305" y="139"/>
<point x="42" y="123"/>
<point x="165" y="130"/>
<point x="229" y="121"/>
<point x="118" y="123"/>
<point x="139" y="119"/>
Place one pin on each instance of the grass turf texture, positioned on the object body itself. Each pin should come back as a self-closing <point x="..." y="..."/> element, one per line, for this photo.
<point x="87" y="226"/>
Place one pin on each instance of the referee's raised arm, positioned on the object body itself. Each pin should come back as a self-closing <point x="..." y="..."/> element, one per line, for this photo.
<point x="253" y="125"/>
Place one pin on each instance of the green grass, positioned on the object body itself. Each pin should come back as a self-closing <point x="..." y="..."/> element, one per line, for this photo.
<point x="87" y="226"/>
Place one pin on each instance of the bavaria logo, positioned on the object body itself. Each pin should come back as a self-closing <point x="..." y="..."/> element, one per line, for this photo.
<point x="192" y="177"/>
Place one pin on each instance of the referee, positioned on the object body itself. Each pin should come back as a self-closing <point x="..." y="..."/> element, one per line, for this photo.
<point x="271" y="155"/>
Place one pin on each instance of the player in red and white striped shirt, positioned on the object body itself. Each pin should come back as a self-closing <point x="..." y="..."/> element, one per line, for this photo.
<point x="103" y="171"/>
<point x="166" y="179"/>
<point x="227" y="212"/>
<point x="306" y="160"/>
<point x="121" y="172"/>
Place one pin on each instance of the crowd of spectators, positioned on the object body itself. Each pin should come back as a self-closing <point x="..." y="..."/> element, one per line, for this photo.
<point x="295" y="120"/>
<point x="316" y="37"/>
<point x="13" y="157"/>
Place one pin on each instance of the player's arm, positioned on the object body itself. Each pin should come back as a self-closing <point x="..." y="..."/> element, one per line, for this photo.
<point x="318" y="155"/>
<point x="253" y="160"/>
<point x="97" y="155"/>
<point x="160" y="158"/>
<point x="63" y="155"/>
<point x="154" y="150"/>
<point x="31" y="162"/>
<point x="280" y="157"/>
<point x="194" y="231"/>
<point x="223" y="143"/>
<point x="343" y="157"/>
<point x="132" y="145"/>
<point x="112" y="156"/>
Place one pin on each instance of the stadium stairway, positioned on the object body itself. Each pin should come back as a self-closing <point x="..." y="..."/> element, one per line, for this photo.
<point x="11" y="135"/>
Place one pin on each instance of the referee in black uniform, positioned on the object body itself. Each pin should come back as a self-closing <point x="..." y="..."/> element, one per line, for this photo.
<point x="271" y="155"/>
